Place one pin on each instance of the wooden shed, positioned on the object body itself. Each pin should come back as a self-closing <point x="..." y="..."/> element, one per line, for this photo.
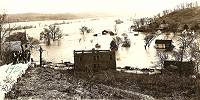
<point x="94" y="60"/>
<point x="164" y="44"/>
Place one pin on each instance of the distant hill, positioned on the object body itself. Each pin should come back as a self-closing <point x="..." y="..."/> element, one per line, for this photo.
<point x="184" y="16"/>
<point x="24" y="17"/>
<point x="173" y="21"/>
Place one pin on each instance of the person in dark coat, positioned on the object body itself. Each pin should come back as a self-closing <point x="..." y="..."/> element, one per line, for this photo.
<point x="14" y="56"/>
<point x="20" y="57"/>
<point x="29" y="56"/>
<point x="113" y="45"/>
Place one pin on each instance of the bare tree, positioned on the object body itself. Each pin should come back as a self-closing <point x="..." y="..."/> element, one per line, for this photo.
<point x="162" y="56"/>
<point x="115" y="28"/>
<point x="182" y="6"/>
<point x="142" y="21"/>
<point x="186" y="39"/>
<point x="55" y="32"/>
<point x="148" y="39"/>
<point x="158" y="15"/>
<point x="83" y="30"/>
<point x="137" y="24"/>
<point x="196" y="4"/>
<point x="195" y="55"/>
<point x="178" y="7"/>
<point x="5" y="30"/>
<point x="52" y="32"/>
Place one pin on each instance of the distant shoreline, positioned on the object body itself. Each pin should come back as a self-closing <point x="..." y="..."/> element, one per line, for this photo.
<point x="28" y="17"/>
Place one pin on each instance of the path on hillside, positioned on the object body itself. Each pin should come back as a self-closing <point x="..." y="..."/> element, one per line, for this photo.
<point x="9" y="75"/>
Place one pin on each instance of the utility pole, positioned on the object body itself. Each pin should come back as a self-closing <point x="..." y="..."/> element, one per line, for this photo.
<point x="41" y="50"/>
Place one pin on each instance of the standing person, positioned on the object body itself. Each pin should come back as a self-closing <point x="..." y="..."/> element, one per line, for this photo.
<point x="20" y="57"/>
<point x="113" y="45"/>
<point x="24" y="57"/>
<point x="14" y="57"/>
<point x="29" y="56"/>
<point x="17" y="56"/>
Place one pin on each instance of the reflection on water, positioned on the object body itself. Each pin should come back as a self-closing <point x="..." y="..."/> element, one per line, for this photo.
<point x="135" y="56"/>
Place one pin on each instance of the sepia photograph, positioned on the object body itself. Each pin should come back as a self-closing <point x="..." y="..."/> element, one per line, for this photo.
<point x="99" y="49"/>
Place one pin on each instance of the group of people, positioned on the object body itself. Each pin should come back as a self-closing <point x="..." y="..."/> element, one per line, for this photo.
<point x="21" y="57"/>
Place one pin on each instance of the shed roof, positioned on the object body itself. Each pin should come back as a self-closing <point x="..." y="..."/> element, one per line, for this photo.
<point x="18" y="36"/>
<point x="12" y="45"/>
<point x="90" y="51"/>
<point x="163" y="41"/>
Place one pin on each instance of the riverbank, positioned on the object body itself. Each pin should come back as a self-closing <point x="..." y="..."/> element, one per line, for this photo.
<point x="47" y="83"/>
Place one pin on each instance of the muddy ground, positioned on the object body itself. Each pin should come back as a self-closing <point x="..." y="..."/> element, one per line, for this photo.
<point x="48" y="83"/>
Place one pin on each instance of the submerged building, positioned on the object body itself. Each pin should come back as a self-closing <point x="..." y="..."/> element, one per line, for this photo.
<point x="94" y="60"/>
<point x="164" y="44"/>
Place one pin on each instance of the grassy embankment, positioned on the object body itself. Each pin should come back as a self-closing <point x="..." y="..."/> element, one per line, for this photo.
<point x="48" y="83"/>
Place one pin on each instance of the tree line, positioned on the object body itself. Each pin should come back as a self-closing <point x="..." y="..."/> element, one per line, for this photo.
<point x="153" y="23"/>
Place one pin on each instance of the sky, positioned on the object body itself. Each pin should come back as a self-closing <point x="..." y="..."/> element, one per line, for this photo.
<point x="128" y="7"/>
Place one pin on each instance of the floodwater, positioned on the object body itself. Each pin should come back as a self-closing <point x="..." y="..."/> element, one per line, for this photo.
<point x="134" y="56"/>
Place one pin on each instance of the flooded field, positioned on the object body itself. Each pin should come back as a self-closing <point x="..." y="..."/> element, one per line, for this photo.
<point x="134" y="56"/>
